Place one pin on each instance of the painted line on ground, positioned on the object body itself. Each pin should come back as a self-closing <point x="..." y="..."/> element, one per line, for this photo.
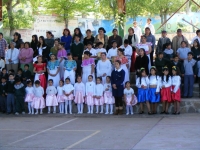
<point x="43" y="131"/>
<point x="50" y="131"/>
<point x="82" y="140"/>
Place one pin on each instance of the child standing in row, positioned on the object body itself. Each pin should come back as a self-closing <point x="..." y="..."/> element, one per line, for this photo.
<point x="60" y="97"/>
<point x="176" y="93"/>
<point x="79" y="94"/>
<point x="3" y="91"/>
<point x="19" y="96"/>
<point x="29" y="96"/>
<point x="51" y="99"/>
<point x="154" y="89"/>
<point x="38" y="100"/>
<point x="108" y="97"/>
<point x="165" y="90"/>
<point x="68" y="90"/>
<point x="10" y="94"/>
<point x="142" y="83"/>
<point x="90" y="94"/>
<point x="129" y="98"/>
<point x="98" y="98"/>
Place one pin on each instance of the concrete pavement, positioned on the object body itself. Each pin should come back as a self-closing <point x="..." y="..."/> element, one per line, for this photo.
<point x="137" y="132"/>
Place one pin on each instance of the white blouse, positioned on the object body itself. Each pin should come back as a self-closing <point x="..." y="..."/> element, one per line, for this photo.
<point x="60" y="90"/>
<point x="129" y="92"/>
<point x="128" y="51"/>
<point x="165" y="83"/>
<point x="104" y="67"/>
<point x="92" y="51"/>
<point x="38" y="91"/>
<point x="107" y="86"/>
<point x="99" y="90"/>
<point x="153" y="80"/>
<point x="144" y="81"/>
<point x="102" y="50"/>
<point x="79" y="87"/>
<point x="176" y="81"/>
<point x="68" y="88"/>
<point x="112" y="53"/>
<point x="29" y="90"/>
<point x="90" y="87"/>
<point x="51" y="90"/>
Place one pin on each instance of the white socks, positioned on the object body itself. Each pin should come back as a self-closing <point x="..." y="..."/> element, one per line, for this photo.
<point x="68" y="102"/>
<point x="41" y="111"/>
<point x="129" y="108"/>
<point x="97" y="109"/>
<point x="107" y="109"/>
<point x="79" y="108"/>
<point x="30" y="109"/>
<point x="111" y="109"/>
<point x="54" y="109"/>
<point x="61" y="107"/>
<point x="49" y="109"/>
<point x="101" y="109"/>
<point x="90" y="109"/>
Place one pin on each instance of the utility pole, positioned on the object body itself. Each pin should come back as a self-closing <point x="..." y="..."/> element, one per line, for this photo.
<point x="121" y="10"/>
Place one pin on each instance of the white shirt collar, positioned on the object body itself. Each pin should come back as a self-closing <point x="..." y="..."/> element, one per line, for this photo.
<point x="118" y="69"/>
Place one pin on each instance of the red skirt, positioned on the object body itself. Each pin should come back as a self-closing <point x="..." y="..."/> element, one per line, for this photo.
<point x="166" y="94"/>
<point x="176" y="96"/>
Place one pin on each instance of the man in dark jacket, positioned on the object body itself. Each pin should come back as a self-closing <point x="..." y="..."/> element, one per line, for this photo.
<point x="161" y="62"/>
<point x="114" y="37"/>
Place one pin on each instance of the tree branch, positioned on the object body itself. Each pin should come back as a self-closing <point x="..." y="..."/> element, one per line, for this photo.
<point x="17" y="2"/>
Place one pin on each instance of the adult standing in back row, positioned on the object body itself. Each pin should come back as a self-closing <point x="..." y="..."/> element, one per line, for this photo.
<point x="176" y="41"/>
<point x="67" y="39"/>
<point x="50" y="39"/>
<point x="150" y="39"/>
<point x="3" y="46"/>
<point x="150" y="26"/>
<point x="114" y="37"/>
<point x="101" y="37"/>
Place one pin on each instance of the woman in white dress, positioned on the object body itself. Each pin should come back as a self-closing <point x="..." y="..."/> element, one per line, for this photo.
<point x="147" y="47"/>
<point x="104" y="68"/>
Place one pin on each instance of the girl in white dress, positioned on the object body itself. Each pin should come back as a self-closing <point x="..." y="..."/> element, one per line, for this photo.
<point x="38" y="100"/>
<point x="68" y="90"/>
<point x="108" y="97"/>
<point x="79" y="94"/>
<point x="99" y="99"/>
<point x="60" y="97"/>
<point x="113" y="51"/>
<point x="29" y="96"/>
<point x="90" y="93"/>
<point x="104" y="67"/>
<point x="53" y="69"/>
<point x="129" y="98"/>
<point x="51" y="99"/>
<point x="88" y="66"/>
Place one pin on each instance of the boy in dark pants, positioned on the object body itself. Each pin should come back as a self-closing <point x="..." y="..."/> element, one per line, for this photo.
<point x="189" y="75"/>
<point x="161" y="62"/>
<point x="10" y="94"/>
<point x="19" y="96"/>
<point x="3" y="89"/>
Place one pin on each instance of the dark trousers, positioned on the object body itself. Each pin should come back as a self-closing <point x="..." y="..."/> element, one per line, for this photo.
<point x="3" y="105"/>
<point x="188" y="85"/>
<point x="79" y="68"/>
<point x="19" y="104"/>
<point x="151" y="57"/>
<point x="118" y="101"/>
<point x="10" y="103"/>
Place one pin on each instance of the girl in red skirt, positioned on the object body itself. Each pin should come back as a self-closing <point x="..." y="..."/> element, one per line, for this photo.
<point x="165" y="90"/>
<point x="176" y="93"/>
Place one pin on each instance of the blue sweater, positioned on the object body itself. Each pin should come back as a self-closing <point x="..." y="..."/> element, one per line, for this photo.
<point x="67" y="40"/>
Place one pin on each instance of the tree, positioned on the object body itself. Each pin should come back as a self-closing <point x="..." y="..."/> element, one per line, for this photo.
<point x="17" y="17"/>
<point x="66" y="9"/>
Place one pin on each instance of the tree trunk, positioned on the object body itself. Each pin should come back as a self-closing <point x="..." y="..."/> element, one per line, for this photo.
<point x="66" y="22"/>
<point x="188" y="9"/>
<point x="9" y="9"/>
<point x="165" y="18"/>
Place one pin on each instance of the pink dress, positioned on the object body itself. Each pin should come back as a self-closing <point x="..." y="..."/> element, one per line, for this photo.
<point x="60" y="96"/>
<point x="79" y="93"/>
<point x="108" y="97"/>
<point x="67" y="89"/>
<point x="90" y="92"/>
<point x="51" y="99"/>
<point x="86" y="68"/>
<point x="29" y="94"/>
<point x="99" y="92"/>
<point x="38" y="100"/>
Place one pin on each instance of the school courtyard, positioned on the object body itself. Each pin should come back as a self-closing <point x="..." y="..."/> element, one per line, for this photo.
<point x="100" y="132"/>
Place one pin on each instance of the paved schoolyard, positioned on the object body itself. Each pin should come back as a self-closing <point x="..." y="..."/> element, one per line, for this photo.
<point x="89" y="132"/>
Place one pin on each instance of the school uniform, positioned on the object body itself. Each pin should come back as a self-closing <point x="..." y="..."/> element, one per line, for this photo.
<point x="142" y="92"/>
<point x="176" y="82"/>
<point x="154" y="81"/>
<point x="99" y="92"/>
<point x="53" y="67"/>
<point x="51" y="99"/>
<point x="112" y="53"/>
<point x="92" y="51"/>
<point x="166" y="91"/>
<point x="38" y="100"/>
<point x="26" y="74"/>
<point x="29" y="94"/>
<point x="19" y="97"/>
<point x="183" y="52"/>
<point x="3" y="97"/>
<point x="117" y="78"/>
<point x="168" y="54"/>
<point x="67" y="88"/>
<point x="60" y="95"/>
<point x="190" y="71"/>
<point x="160" y="63"/>
<point x="108" y="96"/>
<point x="79" y="93"/>
<point x="10" y="97"/>
<point x="90" y="92"/>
